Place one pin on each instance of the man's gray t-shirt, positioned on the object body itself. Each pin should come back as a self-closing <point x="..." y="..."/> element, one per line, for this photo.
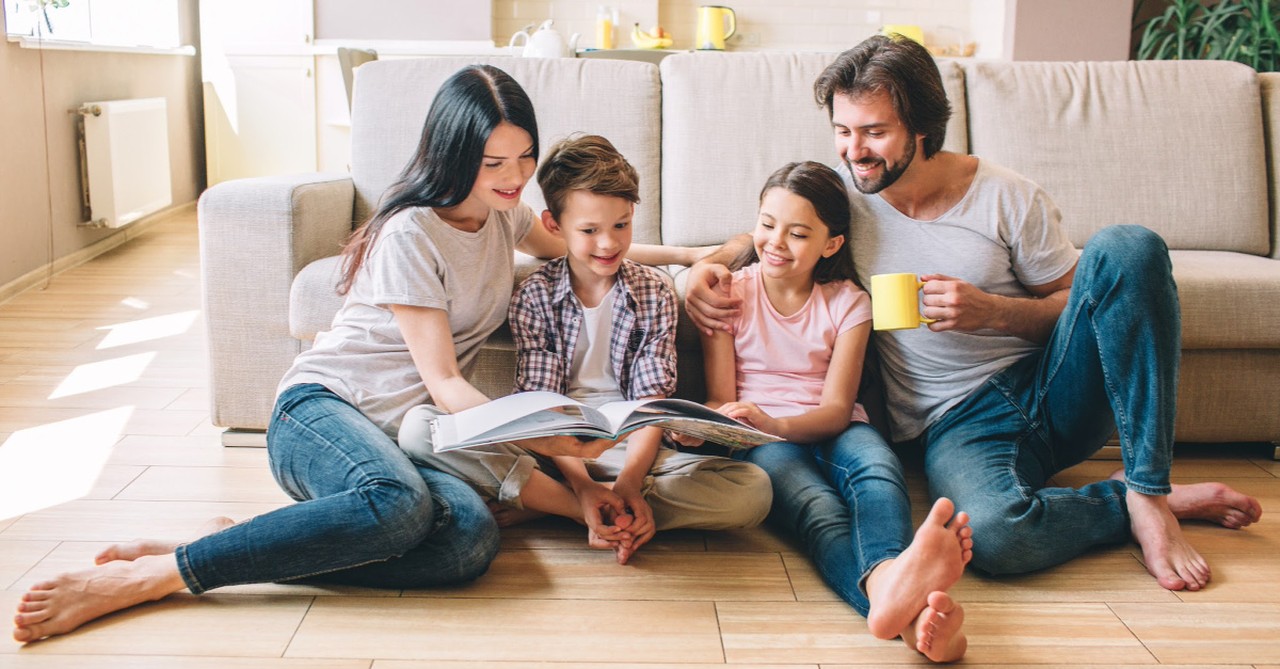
<point x="1003" y="235"/>
<point x="418" y="260"/>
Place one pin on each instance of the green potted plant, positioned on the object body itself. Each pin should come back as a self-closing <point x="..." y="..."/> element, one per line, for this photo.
<point x="1243" y="31"/>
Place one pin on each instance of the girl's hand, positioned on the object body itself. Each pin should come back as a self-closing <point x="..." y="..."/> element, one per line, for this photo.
<point x="566" y="445"/>
<point x="750" y="414"/>
<point x="642" y="526"/>
<point x="685" y="439"/>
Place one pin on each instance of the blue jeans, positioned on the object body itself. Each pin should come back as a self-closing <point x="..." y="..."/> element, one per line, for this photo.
<point x="1111" y="365"/>
<point x="845" y="499"/>
<point x="365" y="515"/>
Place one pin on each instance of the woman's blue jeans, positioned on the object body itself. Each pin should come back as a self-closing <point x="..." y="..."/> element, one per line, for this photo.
<point x="1111" y="365"/>
<point x="845" y="499"/>
<point x="365" y="515"/>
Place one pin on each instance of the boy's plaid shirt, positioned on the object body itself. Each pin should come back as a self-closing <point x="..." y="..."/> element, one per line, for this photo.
<point x="545" y="319"/>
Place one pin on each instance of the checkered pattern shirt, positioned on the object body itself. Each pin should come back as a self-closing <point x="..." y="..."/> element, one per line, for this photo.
<point x="545" y="318"/>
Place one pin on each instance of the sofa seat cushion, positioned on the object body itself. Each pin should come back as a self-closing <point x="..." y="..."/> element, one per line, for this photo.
<point x="1228" y="299"/>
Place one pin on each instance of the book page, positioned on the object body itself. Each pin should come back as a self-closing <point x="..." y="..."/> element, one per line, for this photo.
<point x="488" y="417"/>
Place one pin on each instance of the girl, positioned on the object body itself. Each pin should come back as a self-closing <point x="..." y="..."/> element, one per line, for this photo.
<point x="792" y="369"/>
<point x="419" y="282"/>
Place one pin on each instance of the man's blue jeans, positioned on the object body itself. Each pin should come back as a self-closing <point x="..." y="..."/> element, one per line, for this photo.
<point x="365" y="515"/>
<point x="845" y="499"/>
<point x="1111" y="365"/>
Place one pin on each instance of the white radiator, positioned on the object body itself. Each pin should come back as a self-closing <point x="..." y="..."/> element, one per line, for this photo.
<point x="125" y="161"/>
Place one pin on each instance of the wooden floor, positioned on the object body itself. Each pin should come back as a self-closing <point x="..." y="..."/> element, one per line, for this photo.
<point x="106" y="437"/>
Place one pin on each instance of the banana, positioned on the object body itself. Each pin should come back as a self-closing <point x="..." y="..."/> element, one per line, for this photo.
<point x="644" y="40"/>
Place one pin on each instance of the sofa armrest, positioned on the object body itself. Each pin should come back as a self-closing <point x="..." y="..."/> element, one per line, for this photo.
<point x="255" y="235"/>
<point x="1270" y="84"/>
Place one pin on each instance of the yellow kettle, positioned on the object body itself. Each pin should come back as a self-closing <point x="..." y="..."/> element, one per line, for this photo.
<point x="715" y="25"/>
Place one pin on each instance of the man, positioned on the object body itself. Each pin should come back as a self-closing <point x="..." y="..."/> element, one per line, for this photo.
<point x="1035" y="356"/>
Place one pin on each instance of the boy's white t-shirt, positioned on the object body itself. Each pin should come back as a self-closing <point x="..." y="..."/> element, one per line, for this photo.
<point x="782" y="361"/>
<point x="417" y="260"/>
<point x="592" y="379"/>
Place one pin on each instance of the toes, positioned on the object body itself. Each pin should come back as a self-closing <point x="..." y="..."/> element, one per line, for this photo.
<point x="942" y="511"/>
<point x="941" y="602"/>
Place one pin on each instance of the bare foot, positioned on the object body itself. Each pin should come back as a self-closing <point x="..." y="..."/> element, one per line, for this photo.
<point x="132" y="550"/>
<point x="936" y="632"/>
<point x="898" y="589"/>
<point x="73" y="599"/>
<point x="1165" y="552"/>
<point x="1214" y="502"/>
<point x="507" y="516"/>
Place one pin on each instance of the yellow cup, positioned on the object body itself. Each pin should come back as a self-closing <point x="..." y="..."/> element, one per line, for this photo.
<point x="895" y="302"/>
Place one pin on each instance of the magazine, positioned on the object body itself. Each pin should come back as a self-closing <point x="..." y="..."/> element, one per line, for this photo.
<point x="543" y="414"/>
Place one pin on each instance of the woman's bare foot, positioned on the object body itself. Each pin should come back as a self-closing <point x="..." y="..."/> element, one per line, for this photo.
<point x="1214" y="502"/>
<point x="507" y="516"/>
<point x="1165" y="552"/>
<point x="898" y="589"/>
<point x="72" y="599"/>
<point x="936" y="631"/>
<point x="132" y="550"/>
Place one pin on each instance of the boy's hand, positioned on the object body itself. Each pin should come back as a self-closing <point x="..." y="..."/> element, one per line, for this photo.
<point x="750" y="414"/>
<point x="686" y="439"/>
<point x="566" y="445"/>
<point x="601" y="509"/>
<point x="642" y="527"/>
<point x="707" y="298"/>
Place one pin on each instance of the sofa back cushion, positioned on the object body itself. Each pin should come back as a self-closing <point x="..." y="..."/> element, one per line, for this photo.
<point x="618" y="99"/>
<point x="730" y="119"/>
<point x="1174" y="146"/>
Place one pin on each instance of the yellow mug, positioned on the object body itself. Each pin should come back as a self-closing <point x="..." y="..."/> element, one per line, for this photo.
<point x="895" y="302"/>
<point x="911" y="32"/>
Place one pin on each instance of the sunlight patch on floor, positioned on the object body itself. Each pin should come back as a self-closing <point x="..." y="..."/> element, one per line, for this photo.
<point x="148" y="329"/>
<point x="58" y="462"/>
<point x="93" y="376"/>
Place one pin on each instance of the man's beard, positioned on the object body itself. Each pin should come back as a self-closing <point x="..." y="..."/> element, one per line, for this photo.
<point x="890" y="174"/>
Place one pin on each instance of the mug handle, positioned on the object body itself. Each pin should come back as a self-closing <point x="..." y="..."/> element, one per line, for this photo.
<point x="733" y="23"/>
<point x="926" y="321"/>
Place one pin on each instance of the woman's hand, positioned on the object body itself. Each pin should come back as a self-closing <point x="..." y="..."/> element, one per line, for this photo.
<point x="566" y="445"/>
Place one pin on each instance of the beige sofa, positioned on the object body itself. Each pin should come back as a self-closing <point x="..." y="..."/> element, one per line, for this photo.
<point x="1187" y="149"/>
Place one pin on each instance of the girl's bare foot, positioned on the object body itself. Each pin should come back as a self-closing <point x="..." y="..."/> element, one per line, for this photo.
<point x="936" y="632"/>
<point x="132" y="550"/>
<point x="1165" y="551"/>
<point x="72" y="599"/>
<point x="1214" y="502"/>
<point x="898" y="589"/>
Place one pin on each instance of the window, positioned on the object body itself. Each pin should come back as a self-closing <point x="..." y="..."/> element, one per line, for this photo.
<point x="107" y="23"/>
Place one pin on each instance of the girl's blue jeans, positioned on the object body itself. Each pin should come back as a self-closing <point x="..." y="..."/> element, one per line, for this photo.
<point x="365" y="515"/>
<point x="845" y="499"/>
<point x="1111" y="365"/>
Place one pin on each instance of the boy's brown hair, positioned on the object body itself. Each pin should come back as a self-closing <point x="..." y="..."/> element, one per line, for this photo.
<point x="590" y="163"/>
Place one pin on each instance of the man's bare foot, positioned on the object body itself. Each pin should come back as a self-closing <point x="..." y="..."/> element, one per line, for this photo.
<point x="898" y="589"/>
<point x="936" y="631"/>
<point x="507" y="516"/>
<point x="132" y="550"/>
<point x="1214" y="502"/>
<point x="72" y="599"/>
<point x="1165" y="552"/>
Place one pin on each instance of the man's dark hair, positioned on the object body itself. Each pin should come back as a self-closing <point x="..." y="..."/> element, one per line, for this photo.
<point x="901" y="68"/>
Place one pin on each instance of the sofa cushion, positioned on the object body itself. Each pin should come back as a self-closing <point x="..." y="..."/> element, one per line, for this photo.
<point x="618" y="99"/>
<point x="1228" y="299"/>
<point x="1174" y="146"/>
<point x="712" y="170"/>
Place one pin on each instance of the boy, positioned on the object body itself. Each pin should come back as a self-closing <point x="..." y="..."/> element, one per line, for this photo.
<point x="598" y="328"/>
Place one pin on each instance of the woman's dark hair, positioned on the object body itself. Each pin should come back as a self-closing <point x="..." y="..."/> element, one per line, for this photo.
<point x="824" y="189"/>
<point x="443" y="169"/>
<point x="900" y="67"/>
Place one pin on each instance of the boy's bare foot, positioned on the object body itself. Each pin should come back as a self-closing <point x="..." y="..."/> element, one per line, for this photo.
<point x="72" y="599"/>
<point x="132" y="550"/>
<point x="898" y="589"/>
<point x="936" y="632"/>
<point x="1165" y="552"/>
<point x="1214" y="502"/>
<point x="507" y="516"/>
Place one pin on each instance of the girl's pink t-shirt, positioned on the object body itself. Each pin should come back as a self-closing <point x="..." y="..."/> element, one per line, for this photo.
<point x="781" y="360"/>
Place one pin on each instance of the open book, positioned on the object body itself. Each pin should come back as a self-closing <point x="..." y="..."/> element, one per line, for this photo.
<point x="544" y="414"/>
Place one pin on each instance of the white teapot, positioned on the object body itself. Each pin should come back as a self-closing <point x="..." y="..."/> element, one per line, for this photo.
<point x="547" y="43"/>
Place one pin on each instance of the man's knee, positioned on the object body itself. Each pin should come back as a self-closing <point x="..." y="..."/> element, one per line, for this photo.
<point x="1132" y="246"/>
<point x="1001" y="542"/>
